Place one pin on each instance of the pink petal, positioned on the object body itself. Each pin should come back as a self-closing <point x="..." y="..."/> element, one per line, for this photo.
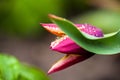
<point x="90" y="29"/>
<point x="87" y="28"/>
<point x="67" y="61"/>
<point x="67" y="46"/>
<point x="52" y="28"/>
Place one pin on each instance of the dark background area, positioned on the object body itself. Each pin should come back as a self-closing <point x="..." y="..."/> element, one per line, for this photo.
<point x="23" y="37"/>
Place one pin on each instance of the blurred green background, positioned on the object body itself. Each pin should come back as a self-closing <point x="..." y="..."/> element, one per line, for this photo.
<point x="22" y="17"/>
<point x="23" y="37"/>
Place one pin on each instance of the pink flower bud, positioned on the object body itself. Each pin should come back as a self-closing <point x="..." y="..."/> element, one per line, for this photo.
<point x="65" y="45"/>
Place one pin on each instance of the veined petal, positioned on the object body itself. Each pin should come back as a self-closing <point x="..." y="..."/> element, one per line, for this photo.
<point x="52" y="28"/>
<point x="87" y="28"/>
<point x="67" y="46"/>
<point x="90" y="29"/>
<point x="67" y="61"/>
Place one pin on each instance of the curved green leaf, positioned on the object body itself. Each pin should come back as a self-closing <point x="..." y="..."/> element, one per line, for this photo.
<point x="9" y="67"/>
<point x="12" y="69"/>
<point x="108" y="45"/>
<point x="31" y="73"/>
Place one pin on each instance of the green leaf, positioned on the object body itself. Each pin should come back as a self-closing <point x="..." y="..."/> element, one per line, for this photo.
<point x="106" y="46"/>
<point x="31" y="73"/>
<point x="12" y="69"/>
<point x="9" y="67"/>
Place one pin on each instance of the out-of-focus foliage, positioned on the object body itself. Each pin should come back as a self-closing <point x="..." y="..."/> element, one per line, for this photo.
<point x="9" y="67"/>
<point x="22" y="17"/>
<point x="75" y="7"/>
<point x="108" y="21"/>
<point x="12" y="69"/>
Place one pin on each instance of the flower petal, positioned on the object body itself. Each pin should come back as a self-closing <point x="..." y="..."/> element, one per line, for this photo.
<point x="87" y="28"/>
<point x="52" y="28"/>
<point x="67" y="61"/>
<point x="90" y="29"/>
<point x="67" y="46"/>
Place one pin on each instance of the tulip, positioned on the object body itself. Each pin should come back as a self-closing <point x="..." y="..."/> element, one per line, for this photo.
<point x="74" y="53"/>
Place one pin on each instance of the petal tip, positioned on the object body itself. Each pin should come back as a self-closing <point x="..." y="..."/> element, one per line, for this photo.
<point x="54" y="17"/>
<point x="50" y="71"/>
<point x="54" y="68"/>
<point x="67" y="61"/>
<point x="52" y="28"/>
